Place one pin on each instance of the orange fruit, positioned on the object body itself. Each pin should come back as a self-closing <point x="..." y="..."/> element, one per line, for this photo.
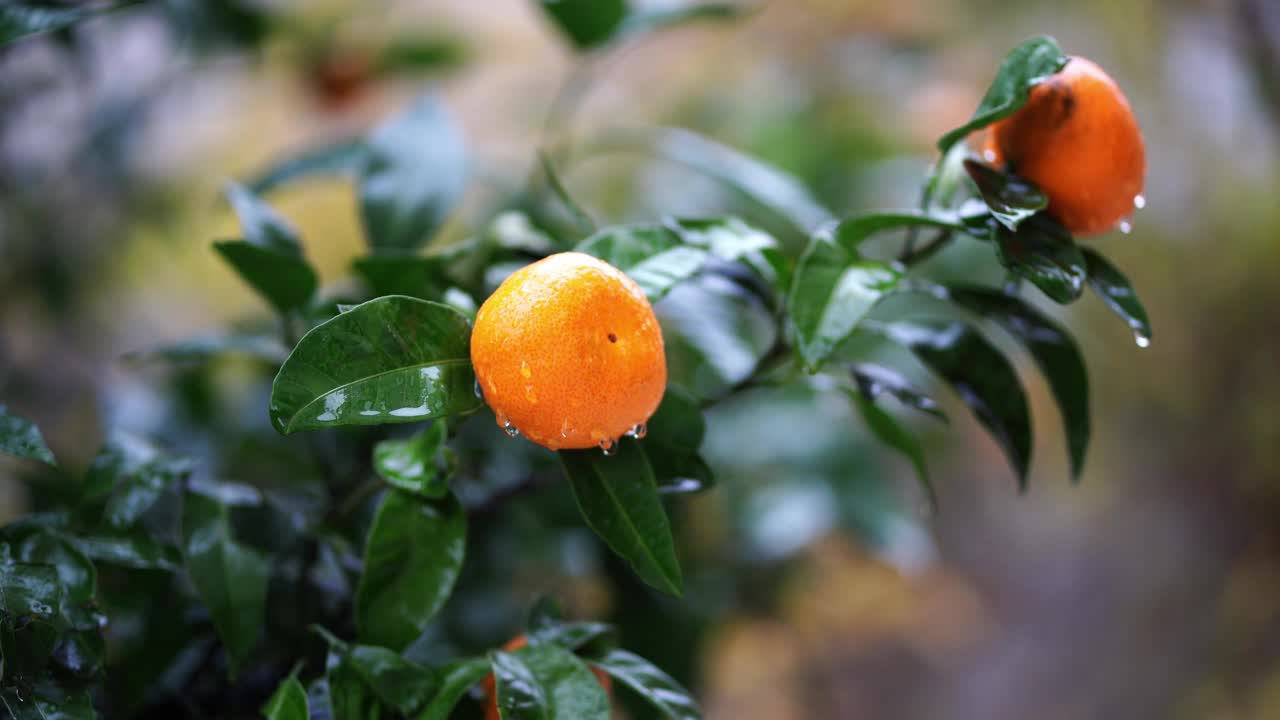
<point x="1077" y="139"/>
<point x="568" y="352"/>
<point x="491" y="687"/>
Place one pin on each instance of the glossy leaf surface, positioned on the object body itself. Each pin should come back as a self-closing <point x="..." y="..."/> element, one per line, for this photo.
<point x="653" y="256"/>
<point x="456" y="678"/>
<point x="874" y="380"/>
<point x="414" y="172"/>
<point x="411" y="561"/>
<point x="1116" y="291"/>
<point x="1054" y="351"/>
<point x="1022" y="69"/>
<point x="230" y="578"/>
<point x="1010" y="198"/>
<point x="21" y="438"/>
<point x="393" y="359"/>
<point x="284" y="280"/>
<point x="618" y="497"/>
<point x="413" y="464"/>
<point x="656" y="687"/>
<point x="1044" y="253"/>
<point x="586" y="23"/>
<point x="546" y="682"/>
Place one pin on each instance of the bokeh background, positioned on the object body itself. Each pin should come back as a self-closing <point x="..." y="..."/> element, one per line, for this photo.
<point x="821" y="585"/>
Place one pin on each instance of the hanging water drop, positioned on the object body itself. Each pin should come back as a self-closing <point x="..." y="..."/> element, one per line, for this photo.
<point x="510" y="429"/>
<point x="639" y="431"/>
<point x="479" y="391"/>
<point x="1126" y="226"/>
<point x="609" y="447"/>
<point x="1139" y="202"/>
<point x="1141" y="339"/>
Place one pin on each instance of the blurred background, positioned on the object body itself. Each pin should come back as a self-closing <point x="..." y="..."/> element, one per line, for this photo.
<point x="820" y="584"/>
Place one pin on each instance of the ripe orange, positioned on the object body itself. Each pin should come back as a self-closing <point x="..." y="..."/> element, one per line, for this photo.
<point x="491" y="687"/>
<point x="1077" y="139"/>
<point x="568" y="352"/>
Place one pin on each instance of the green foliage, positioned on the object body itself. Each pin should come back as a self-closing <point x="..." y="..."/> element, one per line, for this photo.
<point x="20" y="18"/>
<point x="398" y="546"/>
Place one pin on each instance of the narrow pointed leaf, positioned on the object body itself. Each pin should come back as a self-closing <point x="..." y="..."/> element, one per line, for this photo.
<point x="261" y="225"/>
<point x="399" y="683"/>
<point x="656" y="687"/>
<point x="21" y="438"/>
<point x="230" y="578"/>
<point x="1116" y="291"/>
<point x="981" y="376"/>
<point x="1023" y="68"/>
<point x="1054" y="351"/>
<point x="456" y="678"/>
<point x="414" y="172"/>
<point x="1043" y="252"/>
<point x="892" y="433"/>
<point x="393" y="359"/>
<point x="342" y="159"/>
<point x="411" y="562"/>
<point x="873" y="380"/>
<point x="288" y="702"/>
<point x="619" y="500"/>
<point x="136" y="548"/>
<point x="283" y="279"/>
<point x="653" y="256"/>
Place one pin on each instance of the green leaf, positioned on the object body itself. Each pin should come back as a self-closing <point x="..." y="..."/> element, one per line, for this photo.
<point x="727" y="238"/>
<point x="673" y="436"/>
<point x="716" y="333"/>
<point x="1054" y="351"/>
<point x="230" y="578"/>
<point x="874" y="380"/>
<point x="390" y="360"/>
<point x="580" y="216"/>
<point x="135" y="549"/>
<point x="1023" y="68"/>
<point x="651" y="255"/>
<point x="342" y="158"/>
<point x="1010" y="198"/>
<point x="412" y="464"/>
<point x="1044" y="253"/>
<point x="656" y="687"/>
<point x="289" y="702"/>
<point x="586" y="23"/>
<point x="414" y="173"/>
<point x="411" y="561"/>
<point x="618" y="498"/>
<point x="140" y="487"/>
<point x="419" y="53"/>
<point x="574" y="636"/>
<point x="75" y="571"/>
<point x="261" y="225"/>
<point x="546" y="682"/>
<point x="349" y="696"/>
<point x="852" y="231"/>
<point x="20" y="18"/>
<point x="893" y="434"/>
<point x="833" y="290"/>
<point x="411" y="275"/>
<point x="655" y="19"/>
<point x="455" y="679"/>
<point x="401" y="684"/>
<point x="285" y="281"/>
<point x="33" y="590"/>
<point x="21" y="438"/>
<point x="981" y="376"/>
<point x="1116" y="291"/>
<point x="767" y="185"/>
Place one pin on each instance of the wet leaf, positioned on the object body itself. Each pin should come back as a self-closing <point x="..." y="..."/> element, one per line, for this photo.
<point x="399" y="683"/>
<point x="981" y="376"/>
<point x="412" y="275"/>
<point x="586" y="23"/>
<point x="618" y="497"/>
<point x="21" y="18"/>
<point x="75" y="571"/>
<point x="1010" y="198"/>
<point x="21" y="438"/>
<point x="455" y="679"/>
<point x="1044" y="253"/>
<point x="411" y="561"/>
<point x="574" y="636"/>
<point x="390" y="360"/>
<point x="230" y="578"/>
<point x="651" y="255"/>
<point x="1023" y="68"/>
<point x="1054" y="351"/>
<point x="414" y="172"/>
<point x="284" y="280"/>
<point x="873" y="380"/>
<point x="546" y="682"/>
<point x="833" y="290"/>
<point x="656" y="687"/>
<point x="892" y="433"/>
<point x="413" y="463"/>
<point x="1115" y="290"/>
<point x="671" y="443"/>
<point x="30" y="589"/>
<point x="342" y="159"/>
<point x="135" y="548"/>
<point x="137" y="489"/>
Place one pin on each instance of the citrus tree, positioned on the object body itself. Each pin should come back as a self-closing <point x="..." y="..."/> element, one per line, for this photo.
<point x="550" y="360"/>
